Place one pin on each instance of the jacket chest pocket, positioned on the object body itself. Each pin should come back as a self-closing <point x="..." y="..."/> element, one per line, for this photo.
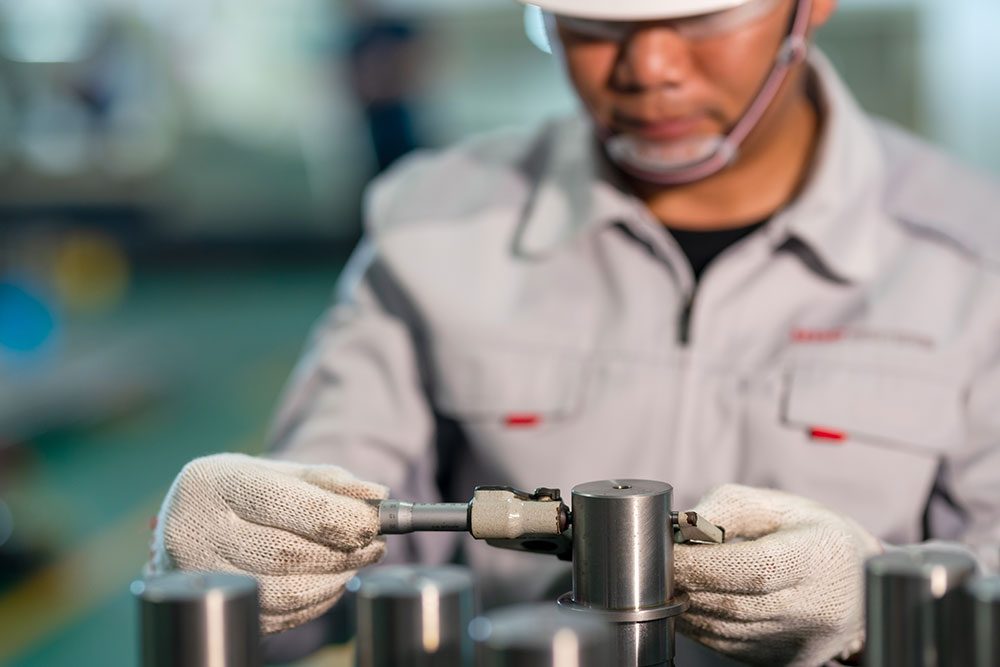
<point x="867" y="443"/>
<point x="920" y="415"/>
<point x="504" y="386"/>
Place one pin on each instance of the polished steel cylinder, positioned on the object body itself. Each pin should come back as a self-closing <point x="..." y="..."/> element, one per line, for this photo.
<point x="623" y="566"/>
<point x="983" y="615"/>
<point x="913" y="599"/>
<point x="541" y="635"/>
<point x="623" y="554"/>
<point x="414" y="616"/>
<point x="195" y="619"/>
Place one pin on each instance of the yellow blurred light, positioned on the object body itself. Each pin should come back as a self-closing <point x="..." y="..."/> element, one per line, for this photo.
<point x="90" y="272"/>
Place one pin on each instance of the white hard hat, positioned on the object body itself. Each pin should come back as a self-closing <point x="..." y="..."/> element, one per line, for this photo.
<point x="633" y="10"/>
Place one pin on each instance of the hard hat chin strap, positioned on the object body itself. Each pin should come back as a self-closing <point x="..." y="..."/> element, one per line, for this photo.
<point x="793" y="51"/>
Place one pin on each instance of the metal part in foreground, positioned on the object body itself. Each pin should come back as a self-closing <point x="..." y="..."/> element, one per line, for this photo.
<point x="912" y="600"/>
<point x="983" y="608"/>
<point x="623" y="565"/>
<point x="195" y="619"/>
<point x="539" y="635"/>
<point x="414" y="616"/>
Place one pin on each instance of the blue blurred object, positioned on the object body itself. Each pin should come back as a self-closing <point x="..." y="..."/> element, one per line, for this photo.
<point x="26" y="321"/>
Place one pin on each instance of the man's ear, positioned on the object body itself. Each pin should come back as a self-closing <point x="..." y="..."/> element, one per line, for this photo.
<point x="821" y="12"/>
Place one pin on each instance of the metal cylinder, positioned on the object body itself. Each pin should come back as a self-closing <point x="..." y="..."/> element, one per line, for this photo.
<point x="983" y="614"/>
<point x="198" y="619"/>
<point x="540" y="635"/>
<point x="414" y="616"/>
<point x="623" y="564"/>
<point x="912" y="599"/>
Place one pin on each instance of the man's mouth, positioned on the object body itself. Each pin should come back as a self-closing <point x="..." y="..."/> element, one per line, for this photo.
<point x="664" y="129"/>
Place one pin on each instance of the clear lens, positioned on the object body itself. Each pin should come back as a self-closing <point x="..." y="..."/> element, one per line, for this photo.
<point x="610" y="31"/>
<point x="715" y="24"/>
<point x="701" y="26"/>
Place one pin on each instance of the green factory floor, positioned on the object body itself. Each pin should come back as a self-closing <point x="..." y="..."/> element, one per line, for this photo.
<point x="212" y="349"/>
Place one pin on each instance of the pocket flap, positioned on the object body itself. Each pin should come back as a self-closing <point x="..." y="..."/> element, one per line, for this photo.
<point x="899" y="410"/>
<point x="486" y="381"/>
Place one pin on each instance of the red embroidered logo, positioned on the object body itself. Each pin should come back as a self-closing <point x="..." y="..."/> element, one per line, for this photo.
<point x="817" y="335"/>
<point x="810" y="336"/>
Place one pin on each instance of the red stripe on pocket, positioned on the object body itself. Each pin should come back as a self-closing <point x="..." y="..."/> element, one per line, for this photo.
<point x="522" y="420"/>
<point x="827" y="434"/>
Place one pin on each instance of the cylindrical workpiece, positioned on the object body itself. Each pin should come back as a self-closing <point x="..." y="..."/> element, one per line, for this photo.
<point x="623" y="564"/>
<point x="198" y="619"/>
<point x="912" y="598"/>
<point x="540" y="635"/>
<point x="414" y="616"/>
<point x="983" y="600"/>
<point x="623" y="554"/>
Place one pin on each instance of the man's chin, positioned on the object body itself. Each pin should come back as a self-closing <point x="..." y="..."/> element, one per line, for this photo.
<point x="662" y="155"/>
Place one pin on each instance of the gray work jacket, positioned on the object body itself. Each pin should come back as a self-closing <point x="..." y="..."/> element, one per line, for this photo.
<point x="515" y="316"/>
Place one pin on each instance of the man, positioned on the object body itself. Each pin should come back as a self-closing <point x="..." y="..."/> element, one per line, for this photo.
<point x="725" y="273"/>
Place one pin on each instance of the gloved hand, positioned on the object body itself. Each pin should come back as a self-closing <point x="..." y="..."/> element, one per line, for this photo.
<point x="300" y="530"/>
<point x="791" y="594"/>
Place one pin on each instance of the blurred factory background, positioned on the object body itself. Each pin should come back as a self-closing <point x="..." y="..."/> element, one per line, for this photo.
<point x="180" y="182"/>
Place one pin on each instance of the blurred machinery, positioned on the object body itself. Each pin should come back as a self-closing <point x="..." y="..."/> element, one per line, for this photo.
<point x="417" y="616"/>
<point x="925" y="607"/>
<point x="198" y="620"/>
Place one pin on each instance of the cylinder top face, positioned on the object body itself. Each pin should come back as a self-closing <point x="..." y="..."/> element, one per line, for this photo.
<point x="189" y="586"/>
<point x="941" y="568"/>
<point x="621" y="488"/>
<point x="407" y="581"/>
<point x="530" y="635"/>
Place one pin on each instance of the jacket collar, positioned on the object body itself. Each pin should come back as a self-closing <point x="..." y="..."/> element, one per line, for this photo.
<point x="838" y="215"/>
<point x="576" y="189"/>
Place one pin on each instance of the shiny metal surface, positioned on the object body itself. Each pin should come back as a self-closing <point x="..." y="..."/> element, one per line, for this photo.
<point x="913" y="602"/>
<point x="623" y="555"/>
<point x="540" y="635"/>
<point x="623" y="562"/>
<point x="192" y="619"/>
<point x="983" y="600"/>
<point x="396" y="517"/>
<point x="414" y="616"/>
<point x="676" y="605"/>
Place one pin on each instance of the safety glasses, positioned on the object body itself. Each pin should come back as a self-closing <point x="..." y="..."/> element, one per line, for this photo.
<point x="698" y="27"/>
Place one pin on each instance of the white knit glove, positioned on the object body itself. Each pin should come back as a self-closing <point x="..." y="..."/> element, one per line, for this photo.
<point x="300" y="530"/>
<point x="791" y="593"/>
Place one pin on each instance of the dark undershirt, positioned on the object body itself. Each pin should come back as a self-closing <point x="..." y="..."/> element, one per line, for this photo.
<point x="701" y="247"/>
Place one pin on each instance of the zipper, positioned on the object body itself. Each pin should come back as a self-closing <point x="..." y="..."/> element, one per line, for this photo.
<point x="684" y="321"/>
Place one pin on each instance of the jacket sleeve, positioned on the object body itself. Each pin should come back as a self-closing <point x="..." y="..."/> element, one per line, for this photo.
<point x="358" y="397"/>
<point x="970" y="478"/>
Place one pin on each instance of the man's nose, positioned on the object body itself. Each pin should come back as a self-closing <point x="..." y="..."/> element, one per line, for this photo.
<point x="651" y="57"/>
